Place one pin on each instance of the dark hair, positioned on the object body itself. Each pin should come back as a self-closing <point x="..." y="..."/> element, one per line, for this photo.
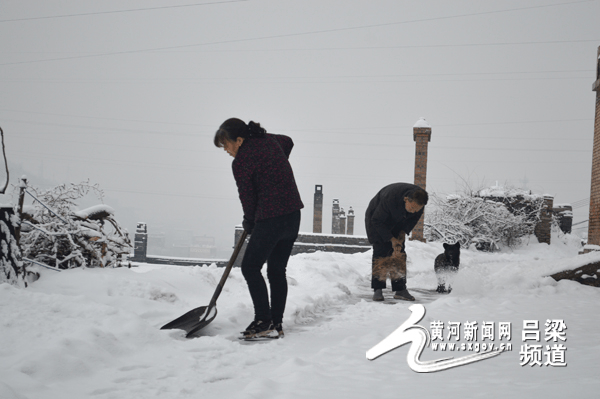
<point x="418" y="195"/>
<point x="233" y="128"/>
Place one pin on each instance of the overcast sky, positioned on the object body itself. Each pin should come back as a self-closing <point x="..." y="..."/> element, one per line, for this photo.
<point x="130" y="93"/>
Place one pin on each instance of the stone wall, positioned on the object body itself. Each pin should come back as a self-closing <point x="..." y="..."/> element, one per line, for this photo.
<point x="140" y="253"/>
<point x="313" y="242"/>
<point x="305" y="243"/>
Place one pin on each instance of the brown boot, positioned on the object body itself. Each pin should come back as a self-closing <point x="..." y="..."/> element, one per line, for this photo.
<point x="404" y="294"/>
<point x="378" y="295"/>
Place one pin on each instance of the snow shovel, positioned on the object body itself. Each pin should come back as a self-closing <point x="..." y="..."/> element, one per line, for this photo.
<point x="196" y="319"/>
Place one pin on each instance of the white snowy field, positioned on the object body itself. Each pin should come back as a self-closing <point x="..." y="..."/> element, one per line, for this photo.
<point x="95" y="333"/>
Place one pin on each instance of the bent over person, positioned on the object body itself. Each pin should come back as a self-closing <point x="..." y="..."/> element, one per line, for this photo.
<point x="391" y="215"/>
<point x="271" y="204"/>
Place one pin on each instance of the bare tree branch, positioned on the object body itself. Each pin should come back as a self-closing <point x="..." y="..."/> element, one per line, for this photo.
<point x="5" y="162"/>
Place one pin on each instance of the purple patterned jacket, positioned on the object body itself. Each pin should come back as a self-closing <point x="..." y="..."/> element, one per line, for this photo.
<point x="265" y="179"/>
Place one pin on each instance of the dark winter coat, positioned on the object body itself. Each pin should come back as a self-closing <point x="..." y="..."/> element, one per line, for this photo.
<point x="386" y="215"/>
<point x="265" y="179"/>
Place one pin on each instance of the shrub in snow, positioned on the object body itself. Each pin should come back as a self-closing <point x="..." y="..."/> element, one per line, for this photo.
<point x="54" y="233"/>
<point x="487" y="221"/>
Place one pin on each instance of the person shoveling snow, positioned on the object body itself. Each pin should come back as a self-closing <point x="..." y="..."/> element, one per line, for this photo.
<point x="271" y="204"/>
<point x="392" y="214"/>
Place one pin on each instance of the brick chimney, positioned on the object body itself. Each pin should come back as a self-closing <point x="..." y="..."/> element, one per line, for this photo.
<point x="318" y="210"/>
<point x="594" y="219"/>
<point x="422" y="136"/>
<point x="335" y="217"/>
<point x="350" y="227"/>
<point x="543" y="230"/>
<point x="140" y="243"/>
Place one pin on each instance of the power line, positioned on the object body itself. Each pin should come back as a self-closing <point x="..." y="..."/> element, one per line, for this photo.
<point x="586" y="200"/>
<point x="575" y="224"/>
<point x="580" y="203"/>
<point x="316" y="79"/>
<point x="337" y="142"/>
<point x="538" y="72"/>
<point x="166" y="194"/>
<point x="105" y="129"/>
<point x="35" y="136"/>
<point x="580" y="206"/>
<point x="100" y="118"/>
<point x="345" y="130"/>
<point x="297" y="156"/>
<point x="332" y="30"/>
<point x="416" y="46"/>
<point x="120" y="11"/>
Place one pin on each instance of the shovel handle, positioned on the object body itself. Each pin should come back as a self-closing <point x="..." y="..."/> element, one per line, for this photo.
<point x="236" y="251"/>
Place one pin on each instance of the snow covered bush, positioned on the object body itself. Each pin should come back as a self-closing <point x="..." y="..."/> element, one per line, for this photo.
<point x="485" y="220"/>
<point x="55" y="234"/>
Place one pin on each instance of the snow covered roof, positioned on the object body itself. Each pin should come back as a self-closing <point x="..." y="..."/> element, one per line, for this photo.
<point x="94" y="210"/>
<point x="499" y="191"/>
<point x="562" y="205"/>
<point x="422" y="123"/>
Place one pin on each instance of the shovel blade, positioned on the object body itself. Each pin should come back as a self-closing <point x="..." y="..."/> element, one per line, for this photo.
<point x="195" y="329"/>
<point x="191" y="319"/>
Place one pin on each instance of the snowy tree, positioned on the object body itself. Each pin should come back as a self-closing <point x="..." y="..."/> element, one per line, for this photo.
<point x="12" y="270"/>
<point x="486" y="219"/>
<point x="55" y="234"/>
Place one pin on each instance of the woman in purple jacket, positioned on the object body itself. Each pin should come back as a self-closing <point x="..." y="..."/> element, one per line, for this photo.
<point x="271" y="204"/>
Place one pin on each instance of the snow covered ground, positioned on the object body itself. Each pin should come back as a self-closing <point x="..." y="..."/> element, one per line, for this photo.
<point x="95" y="333"/>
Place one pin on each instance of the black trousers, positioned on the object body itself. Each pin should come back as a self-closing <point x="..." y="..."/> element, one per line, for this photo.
<point x="271" y="241"/>
<point x="383" y="250"/>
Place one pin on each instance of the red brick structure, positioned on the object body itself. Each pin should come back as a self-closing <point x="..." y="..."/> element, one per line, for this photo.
<point x="594" y="220"/>
<point x="422" y="136"/>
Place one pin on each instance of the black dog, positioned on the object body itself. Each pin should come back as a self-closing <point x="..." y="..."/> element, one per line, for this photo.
<point x="446" y="265"/>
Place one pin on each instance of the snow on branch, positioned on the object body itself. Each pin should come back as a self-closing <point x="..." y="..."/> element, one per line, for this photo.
<point x="55" y="234"/>
<point x="95" y="212"/>
<point x="3" y="190"/>
<point x="487" y="219"/>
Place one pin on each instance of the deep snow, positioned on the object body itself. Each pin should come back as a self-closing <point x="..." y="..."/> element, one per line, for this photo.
<point x="94" y="333"/>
